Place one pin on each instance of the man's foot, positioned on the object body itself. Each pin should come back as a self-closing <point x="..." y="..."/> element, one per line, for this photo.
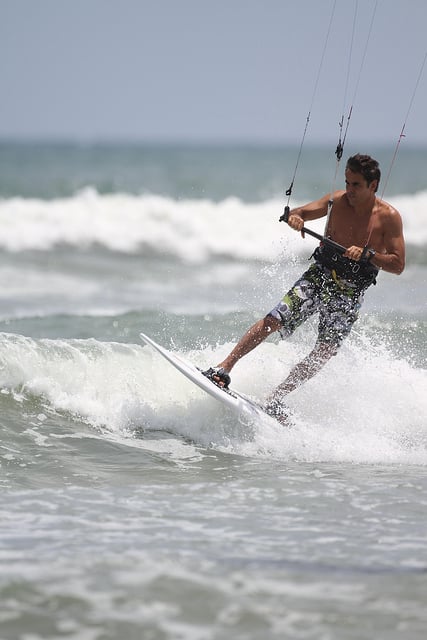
<point x="218" y="376"/>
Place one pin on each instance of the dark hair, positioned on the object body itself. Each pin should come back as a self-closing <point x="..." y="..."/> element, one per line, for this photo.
<point x="366" y="166"/>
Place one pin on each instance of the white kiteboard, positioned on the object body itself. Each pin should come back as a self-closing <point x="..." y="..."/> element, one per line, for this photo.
<point x="236" y="401"/>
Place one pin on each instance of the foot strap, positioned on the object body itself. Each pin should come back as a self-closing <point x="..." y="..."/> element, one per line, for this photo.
<point x="218" y="376"/>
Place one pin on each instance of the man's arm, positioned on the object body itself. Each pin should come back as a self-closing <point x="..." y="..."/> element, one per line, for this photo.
<point x="311" y="211"/>
<point x="393" y="258"/>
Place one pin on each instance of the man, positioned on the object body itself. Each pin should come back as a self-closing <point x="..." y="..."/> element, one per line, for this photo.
<point x="370" y="233"/>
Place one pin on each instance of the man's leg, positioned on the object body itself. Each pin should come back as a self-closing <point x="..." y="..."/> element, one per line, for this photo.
<point x="252" y="338"/>
<point x="297" y="305"/>
<point x="304" y="370"/>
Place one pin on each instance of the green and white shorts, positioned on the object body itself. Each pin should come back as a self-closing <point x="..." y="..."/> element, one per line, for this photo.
<point x="319" y="291"/>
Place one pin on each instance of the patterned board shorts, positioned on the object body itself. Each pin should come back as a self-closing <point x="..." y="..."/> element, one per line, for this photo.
<point x="337" y="301"/>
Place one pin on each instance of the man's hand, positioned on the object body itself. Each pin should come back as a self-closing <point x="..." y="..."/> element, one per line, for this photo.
<point x="296" y="222"/>
<point x="354" y="253"/>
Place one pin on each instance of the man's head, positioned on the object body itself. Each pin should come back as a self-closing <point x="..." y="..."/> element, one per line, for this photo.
<point x="366" y="166"/>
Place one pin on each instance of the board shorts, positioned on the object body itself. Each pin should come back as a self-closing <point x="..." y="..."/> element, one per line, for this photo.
<point x="319" y="291"/>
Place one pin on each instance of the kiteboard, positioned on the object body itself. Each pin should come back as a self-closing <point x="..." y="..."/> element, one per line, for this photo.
<point x="238" y="402"/>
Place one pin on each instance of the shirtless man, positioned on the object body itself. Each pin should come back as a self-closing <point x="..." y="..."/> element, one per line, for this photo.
<point x="334" y="285"/>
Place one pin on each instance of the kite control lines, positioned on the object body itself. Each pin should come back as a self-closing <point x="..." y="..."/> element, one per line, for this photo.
<point x="325" y="240"/>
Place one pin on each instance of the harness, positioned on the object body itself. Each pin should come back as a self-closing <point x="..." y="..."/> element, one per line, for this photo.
<point x="361" y="273"/>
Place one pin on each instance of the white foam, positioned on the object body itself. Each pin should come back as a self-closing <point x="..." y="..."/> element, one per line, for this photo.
<point x="365" y="407"/>
<point x="191" y="230"/>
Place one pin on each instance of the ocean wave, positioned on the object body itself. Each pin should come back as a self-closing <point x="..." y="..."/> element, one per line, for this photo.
<point x="127" y="389"/>
<point x="192" y="231"/>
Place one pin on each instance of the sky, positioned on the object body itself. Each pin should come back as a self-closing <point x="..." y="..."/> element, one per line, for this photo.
<point x="223" y="71"/>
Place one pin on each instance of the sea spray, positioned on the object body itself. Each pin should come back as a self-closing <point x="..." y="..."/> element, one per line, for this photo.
<point x="365" y="406"/>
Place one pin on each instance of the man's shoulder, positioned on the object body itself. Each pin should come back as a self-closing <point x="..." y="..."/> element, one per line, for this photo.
<point x="389" y="218"/>
<point x="387" y="209"/>
<point x="340" y="198"/>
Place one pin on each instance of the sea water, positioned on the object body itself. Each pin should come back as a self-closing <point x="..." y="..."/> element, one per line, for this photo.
<point x="135" y="506"/>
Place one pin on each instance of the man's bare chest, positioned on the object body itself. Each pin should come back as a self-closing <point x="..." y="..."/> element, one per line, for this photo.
<point x="349" y="228"/>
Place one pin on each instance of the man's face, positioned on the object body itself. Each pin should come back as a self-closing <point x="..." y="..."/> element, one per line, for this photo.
<point x="357" y="189"/>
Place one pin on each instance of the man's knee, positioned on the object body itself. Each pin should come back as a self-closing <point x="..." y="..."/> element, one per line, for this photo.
<point x="271" y="324"/>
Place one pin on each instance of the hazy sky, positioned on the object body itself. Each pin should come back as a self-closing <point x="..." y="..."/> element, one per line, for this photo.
<point x="211" y="70"/>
